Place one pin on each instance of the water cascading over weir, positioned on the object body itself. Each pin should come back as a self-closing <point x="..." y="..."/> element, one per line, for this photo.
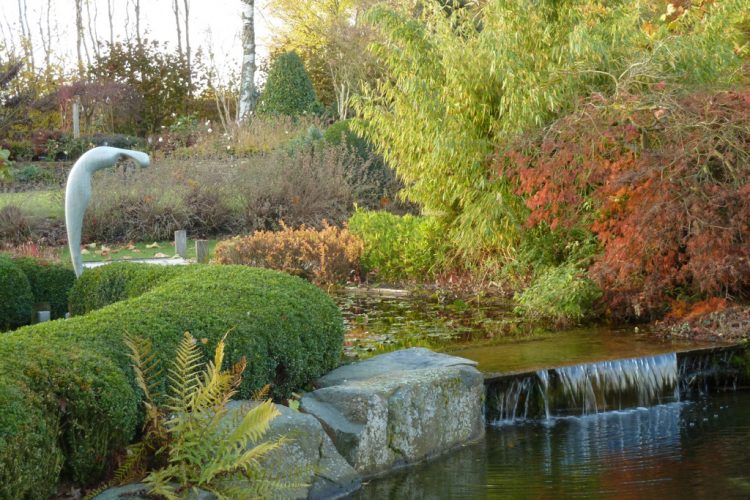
<point x="608" y="385"/>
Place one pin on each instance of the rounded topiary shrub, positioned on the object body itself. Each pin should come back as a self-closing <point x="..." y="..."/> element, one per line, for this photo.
<point x="77" y="375"/>
<point x="16" y="299"/>
<point x="112" y="283"/>
<point x="288" y="89"/>
<point x="50" y="283"/>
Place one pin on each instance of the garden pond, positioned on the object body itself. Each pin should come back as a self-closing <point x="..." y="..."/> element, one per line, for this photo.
<point x="666" y="440"/>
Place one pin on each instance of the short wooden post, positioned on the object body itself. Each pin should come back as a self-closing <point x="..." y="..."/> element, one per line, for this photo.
<point x="180" y="243"/>
<point x="201" y="251"/>
<point x="77" y="118"/>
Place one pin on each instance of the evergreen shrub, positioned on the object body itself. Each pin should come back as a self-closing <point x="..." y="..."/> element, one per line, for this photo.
<point x="288" y="89"/>
<point x="50" y="283"/>
<point x="68" y="395"/>
<point x="16" y="298"/>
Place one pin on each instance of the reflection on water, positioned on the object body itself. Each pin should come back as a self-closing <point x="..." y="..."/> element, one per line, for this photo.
<point x="483" y="330"/>
<point x="677" y="450"/>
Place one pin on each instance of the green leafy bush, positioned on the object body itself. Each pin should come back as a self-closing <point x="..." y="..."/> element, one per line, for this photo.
<point x="106" y="285"/>
<point x="16" y="298"/>
<point x="79" y="408"/>
<point x="50" y="283"/>
<point x="288" y="89"/>
<point x="76" y="373"/>
<point x="398" y="247"/>
<point x="562" y="294"/>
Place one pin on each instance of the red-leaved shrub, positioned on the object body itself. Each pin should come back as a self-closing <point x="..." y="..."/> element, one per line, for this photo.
<point x="663" y="182"/>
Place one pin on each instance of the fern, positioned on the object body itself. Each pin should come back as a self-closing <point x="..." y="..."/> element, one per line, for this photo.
<point x="188" y="445"/>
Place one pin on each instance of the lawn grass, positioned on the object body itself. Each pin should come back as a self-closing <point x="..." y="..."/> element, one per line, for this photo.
<point x="99" y="252"/>
<point x="42" y="203"/>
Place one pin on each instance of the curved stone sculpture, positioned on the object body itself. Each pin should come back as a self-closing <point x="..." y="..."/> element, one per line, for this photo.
<point x="78" y="191"/>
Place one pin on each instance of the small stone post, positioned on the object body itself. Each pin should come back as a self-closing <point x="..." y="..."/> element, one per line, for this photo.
<point x="201" y="251"/>
<point x="180" y="243"/>
<point x="77" y="118"/>
<point x="43" y="316"/>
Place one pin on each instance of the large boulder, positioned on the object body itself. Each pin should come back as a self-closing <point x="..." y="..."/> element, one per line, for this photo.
<point x="307" y="459"/>
<point x="399" y="408"/>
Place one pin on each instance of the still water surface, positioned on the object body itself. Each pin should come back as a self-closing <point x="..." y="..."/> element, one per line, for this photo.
<point x="683" y="450"/>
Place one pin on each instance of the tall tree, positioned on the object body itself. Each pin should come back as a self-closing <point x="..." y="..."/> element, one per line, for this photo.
<point x="79" y="37"/>
<point x="188" y="54"/>
<point x="178" y="24"/>
<point x="247" y="82"/>
<point x="110" y="18"/>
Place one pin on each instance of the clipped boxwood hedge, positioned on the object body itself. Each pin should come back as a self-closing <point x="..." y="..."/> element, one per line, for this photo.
<point x="112" y="283"/>
<point x="16" y="299"/>
<point x="74" y="375"/>
<point x="50" y="283"/>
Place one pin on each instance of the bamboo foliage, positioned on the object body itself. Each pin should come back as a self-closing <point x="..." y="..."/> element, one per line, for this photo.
<point x="462" y="83"/>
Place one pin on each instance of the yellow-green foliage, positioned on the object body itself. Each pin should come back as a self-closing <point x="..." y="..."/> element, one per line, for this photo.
<point x="398" y="247"/>
<point x="69" y="397"/>
<point x="462" y="82"/>
<point x="203" y="450"/>
<point x="330" y="255"/>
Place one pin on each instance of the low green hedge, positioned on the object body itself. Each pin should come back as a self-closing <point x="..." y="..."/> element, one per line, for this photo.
<point x="74" y="375"/>
<point x="112" y="283"/>
<point x="16" y="298"/>
<point x="50" y="283"/>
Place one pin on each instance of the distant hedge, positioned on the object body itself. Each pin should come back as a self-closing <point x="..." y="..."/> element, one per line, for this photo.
<point x="50" y="283"/>
<point x="16" y="298"/>
<point x="67" y="395"/>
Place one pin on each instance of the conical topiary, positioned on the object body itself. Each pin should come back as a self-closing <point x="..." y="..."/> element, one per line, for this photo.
<point x="288" y="89"/>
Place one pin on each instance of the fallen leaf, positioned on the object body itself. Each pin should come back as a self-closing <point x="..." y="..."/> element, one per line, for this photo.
<point x="91" y="245"/>
<point x="126" y="257"/>
<point x="153" y="245"/>
<point x="85" y="252"/>
<point x="135" y="250"/>
<point x="161" y="256"/>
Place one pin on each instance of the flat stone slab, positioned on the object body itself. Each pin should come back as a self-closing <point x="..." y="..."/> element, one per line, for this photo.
<point x="178" y="261"/>
<point x="416" y="358"/>
<point x="399" y="408"/>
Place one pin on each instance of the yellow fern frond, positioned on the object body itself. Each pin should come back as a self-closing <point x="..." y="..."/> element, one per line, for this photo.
<point x="254" y="424"/>
<point x="184" y="374"/>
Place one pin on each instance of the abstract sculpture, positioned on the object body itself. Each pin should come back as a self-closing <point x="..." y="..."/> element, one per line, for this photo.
<point x="78" y="191"/>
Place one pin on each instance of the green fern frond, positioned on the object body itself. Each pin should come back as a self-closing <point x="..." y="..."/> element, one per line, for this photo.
<point x="184" y="373"/>
<point x="159" y="482"/>
<point x="254" y="424"/>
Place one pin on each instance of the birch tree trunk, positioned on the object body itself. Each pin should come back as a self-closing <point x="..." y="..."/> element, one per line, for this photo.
<point x="247" y="83"/>
<point x="110" y="18"/>
<point x="176" y="10"/>
<point x="79" y="37"/>
<point x="188" y="53"/>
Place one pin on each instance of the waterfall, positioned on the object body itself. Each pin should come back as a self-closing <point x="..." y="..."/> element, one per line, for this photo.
<point x="609" y="385"/>
<point x="585" y="389"/>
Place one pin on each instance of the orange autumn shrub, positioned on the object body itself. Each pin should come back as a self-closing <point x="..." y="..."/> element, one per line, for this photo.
<point x="662" y="181"/>
<point x="326" y="256"/>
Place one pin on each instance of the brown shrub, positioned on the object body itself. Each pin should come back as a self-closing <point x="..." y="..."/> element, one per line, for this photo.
<point x="14" y="227"/>
<point x="329" y="255"/>
<point x="221" y="196"/>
